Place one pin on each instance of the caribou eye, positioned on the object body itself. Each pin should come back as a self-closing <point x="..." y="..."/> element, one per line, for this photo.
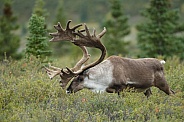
<point x="80" y="79"/>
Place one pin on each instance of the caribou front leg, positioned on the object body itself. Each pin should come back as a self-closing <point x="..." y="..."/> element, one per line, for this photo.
<point x="115" y="88"/>
<point x="147" y="93"/>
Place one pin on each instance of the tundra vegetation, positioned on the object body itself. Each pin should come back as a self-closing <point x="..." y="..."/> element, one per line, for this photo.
<point x="27" y="94"/>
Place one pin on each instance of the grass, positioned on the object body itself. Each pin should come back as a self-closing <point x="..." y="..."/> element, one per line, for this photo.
<point x="28" y="95"/>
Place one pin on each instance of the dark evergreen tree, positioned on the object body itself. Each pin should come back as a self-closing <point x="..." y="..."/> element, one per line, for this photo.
<point x="38" y="35"/>
<point x="117" y="28"/>
<point x="39" y="8"/>
<point x="37" y="41"/>
<point x="60" y="14"/>
<point x="159" y="34"/>
<point x="8" y="40"/>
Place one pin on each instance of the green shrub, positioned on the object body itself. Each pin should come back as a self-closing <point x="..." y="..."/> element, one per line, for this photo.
<point x="27" y="94"/>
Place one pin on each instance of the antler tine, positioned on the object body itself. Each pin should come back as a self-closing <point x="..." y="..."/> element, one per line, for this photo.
<point x="102" y="33"/>
<point x="94" y="32"/>
<point x="52" y="73"/>
<point x="67" y="74"/>
<point x="87" y="30"/>
<point x="68" y="24"/>
<point x="75" y="27"/>
<point x="55" y="68"/>
<point x="59" y="27"/>
<point x="81" y="30"/>
<point x="78" y="33"/>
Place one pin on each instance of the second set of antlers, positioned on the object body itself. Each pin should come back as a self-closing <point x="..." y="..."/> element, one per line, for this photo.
<point x="81" y="40"/>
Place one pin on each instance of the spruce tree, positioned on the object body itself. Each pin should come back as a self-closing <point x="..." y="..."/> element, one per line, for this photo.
<point x="38" y="36"/>
<point x="117" y="28"/>
<point x="39" y="8"/>
<point x="8" y="40"/>
<point x="159" y="34"/>
<point x="37" y="41"/>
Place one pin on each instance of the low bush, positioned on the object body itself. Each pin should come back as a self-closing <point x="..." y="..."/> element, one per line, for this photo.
<point x="27" y="94"/>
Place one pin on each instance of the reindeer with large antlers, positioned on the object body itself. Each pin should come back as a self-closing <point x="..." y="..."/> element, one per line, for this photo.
<point x="111" y="75"/>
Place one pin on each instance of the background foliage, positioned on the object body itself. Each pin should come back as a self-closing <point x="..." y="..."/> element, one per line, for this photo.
<point x="159" y="35"/>
<point x="9" y="41"/>
<point x="117" y="28"/>
<point x="83" y="11"/>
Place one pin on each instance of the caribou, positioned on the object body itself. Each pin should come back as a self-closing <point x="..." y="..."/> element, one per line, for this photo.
<point x="113" y="74"/>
